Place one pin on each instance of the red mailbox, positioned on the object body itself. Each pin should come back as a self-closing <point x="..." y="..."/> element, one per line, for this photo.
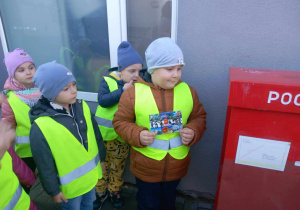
<point x="260" y="160"/>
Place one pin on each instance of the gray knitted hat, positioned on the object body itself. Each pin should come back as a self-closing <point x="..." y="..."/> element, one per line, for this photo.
<point x="51" y="78"/>
<point x="163" y="52"/>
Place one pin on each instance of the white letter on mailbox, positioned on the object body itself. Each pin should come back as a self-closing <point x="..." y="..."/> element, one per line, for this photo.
<point x="271" y="93"/>
<point x="289" y="98"/>
<point x="296" y="100"/>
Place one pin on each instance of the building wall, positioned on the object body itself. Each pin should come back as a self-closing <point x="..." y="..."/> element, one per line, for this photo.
<point x="217" y="34"/>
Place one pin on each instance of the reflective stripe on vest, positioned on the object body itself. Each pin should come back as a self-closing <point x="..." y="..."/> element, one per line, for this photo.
<point x="165" y="143"/>
<point x="104" y="122"/>
<point x="22" y="140"/>
<point x="11" y="193"/>
<point x="21" y="111"/>
<point x="78" y="169"/>
<point x="104" y="116"/>
<point x="13" y="202"/>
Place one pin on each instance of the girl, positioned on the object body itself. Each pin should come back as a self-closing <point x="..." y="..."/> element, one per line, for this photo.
<point x="22" y="95"/>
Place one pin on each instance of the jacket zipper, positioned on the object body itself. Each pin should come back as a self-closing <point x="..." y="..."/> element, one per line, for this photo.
<point x="81" y="139"/>
<point x="77" y="127"/>
<point x="167" y="157"/>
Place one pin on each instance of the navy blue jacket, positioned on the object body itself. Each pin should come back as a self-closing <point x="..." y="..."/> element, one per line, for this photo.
<point x="107" y="98"/>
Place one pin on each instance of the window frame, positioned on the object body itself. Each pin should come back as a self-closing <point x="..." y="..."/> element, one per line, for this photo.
<point x="117" y="32"/>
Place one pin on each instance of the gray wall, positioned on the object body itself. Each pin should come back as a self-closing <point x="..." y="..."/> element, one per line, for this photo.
<point x="217" y="34"/>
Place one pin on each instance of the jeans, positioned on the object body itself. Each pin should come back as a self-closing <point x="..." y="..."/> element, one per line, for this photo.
<point x="157" y="195"/>
<point x="83" y="202"/>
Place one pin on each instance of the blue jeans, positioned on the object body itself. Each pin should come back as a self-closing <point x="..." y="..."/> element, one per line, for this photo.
<point x="157" y="195"/>
<point x="83" y="202"/>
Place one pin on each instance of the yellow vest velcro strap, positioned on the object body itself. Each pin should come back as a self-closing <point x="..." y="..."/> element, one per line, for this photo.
<point x="104" y="122"/>
<point x="14" y="199"/>
<point x="80" y="171"/>
<point x="166" y="145"/>
<point x="22" y="140"/>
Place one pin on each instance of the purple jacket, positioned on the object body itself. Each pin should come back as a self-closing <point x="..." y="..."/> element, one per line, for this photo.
<point x="25" y="175"/>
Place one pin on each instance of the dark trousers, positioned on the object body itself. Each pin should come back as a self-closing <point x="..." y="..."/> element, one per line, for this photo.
<point x="31" y="164"/>
<point x="157" y="195"/>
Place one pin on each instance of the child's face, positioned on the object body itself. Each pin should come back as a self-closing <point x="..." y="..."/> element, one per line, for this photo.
<point x="24" y="73"/>
<point x="166" y="77"/>
<point x="131" y="72"/>
<point x="67" y="95"/>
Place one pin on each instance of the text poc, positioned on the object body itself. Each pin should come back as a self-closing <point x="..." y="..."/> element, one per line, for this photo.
<point x="285" y="98"/>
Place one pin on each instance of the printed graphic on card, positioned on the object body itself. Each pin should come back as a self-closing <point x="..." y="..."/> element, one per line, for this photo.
<point x="167" y="122"/>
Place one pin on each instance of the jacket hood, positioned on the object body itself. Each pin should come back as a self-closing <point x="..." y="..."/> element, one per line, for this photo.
<point x="43" y="108"/>
<point x="108" y="74"/>
<point x="111" y="70"/>
<point x="13" y="84"/>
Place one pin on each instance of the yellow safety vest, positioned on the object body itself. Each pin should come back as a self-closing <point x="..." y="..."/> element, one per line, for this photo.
<point x="165" y="143"/>
<point x="12" y="195"/>
<point x="21" y="112"/>
<point x="78" y="169"/>
<point x="104" y="116"/>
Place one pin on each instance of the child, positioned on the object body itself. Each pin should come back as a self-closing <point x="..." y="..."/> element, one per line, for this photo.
<point x="10" y="173"/>
<point x="23" y="95"/>
<point x="111" y="88"/>
<point x="65" y="140"/>
<point x="159" y="161"/>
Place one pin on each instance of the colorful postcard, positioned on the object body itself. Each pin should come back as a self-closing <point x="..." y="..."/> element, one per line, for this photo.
<point x="167" y="122"/>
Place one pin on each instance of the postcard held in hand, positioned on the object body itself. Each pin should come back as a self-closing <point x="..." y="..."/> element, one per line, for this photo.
<point x="166" y="122"/>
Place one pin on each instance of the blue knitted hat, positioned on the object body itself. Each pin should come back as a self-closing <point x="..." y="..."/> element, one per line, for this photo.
<point x="163" y="52"/>
<point x="127" y="56"/>
<point x="51" y="78"/>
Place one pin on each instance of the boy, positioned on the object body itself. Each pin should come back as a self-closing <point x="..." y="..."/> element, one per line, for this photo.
<point x="65" y="140"/>
<point x="111" y="88"/>
<point x="159" y="161"/>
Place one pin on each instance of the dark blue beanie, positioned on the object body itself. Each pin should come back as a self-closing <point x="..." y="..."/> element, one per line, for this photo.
<point x="51" y="78"/>
<point x="127" y="56"/>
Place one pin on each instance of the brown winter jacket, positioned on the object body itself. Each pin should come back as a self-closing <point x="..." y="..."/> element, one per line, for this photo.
<point x="144" y="168"/>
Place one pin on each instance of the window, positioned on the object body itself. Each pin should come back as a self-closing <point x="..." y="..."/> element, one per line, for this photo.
<point x="84" y="35"/>
<point x="147" y="21"/>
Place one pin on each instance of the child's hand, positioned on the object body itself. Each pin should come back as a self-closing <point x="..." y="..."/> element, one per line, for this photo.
<point x="7" y="134"/>
<point x="146" y="137"/>
<point x="187" y="135"/>
<point x="128" y="85"/>
<point x="102" y="166"/>
<point x="59" y="198"/>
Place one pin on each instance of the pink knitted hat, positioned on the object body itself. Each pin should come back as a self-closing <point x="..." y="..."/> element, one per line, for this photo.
<point x="14" y="59"/>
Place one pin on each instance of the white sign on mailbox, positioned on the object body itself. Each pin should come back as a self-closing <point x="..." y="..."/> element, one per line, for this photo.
<point x="263" y="153"/>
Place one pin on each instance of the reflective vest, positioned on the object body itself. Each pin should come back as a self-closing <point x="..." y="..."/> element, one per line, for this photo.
<point x="21" y="112"/>
<point x="78" y="169"/>
<point x="104" y="116"/>
<point x="165" y="143"/>
<point x="12" y="195"/>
